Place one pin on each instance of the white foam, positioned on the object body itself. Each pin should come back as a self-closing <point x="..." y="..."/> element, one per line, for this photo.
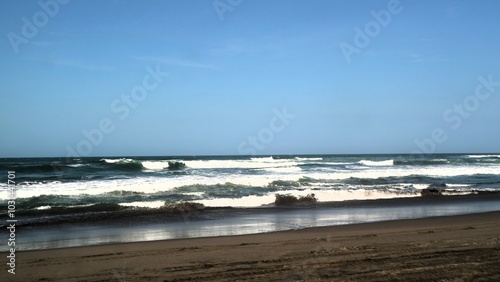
<point x="152" y="184"/>
<point x="148" y="184"/>
<point x="112" y="161"/>
<point x="321" y="195"/>
<point x="144" y="204"/>
<point x="356" y="194"/>
<point x="248" y="201"/>
<point x="376" y="163"/>
<point x="262" y="159"/>
<point x="441" y="171"/>
<point x="254" y="163"/>
<point x="284" y="169"/>
<point x="483" y="156"/>
<point x="308" y="159"/>
<point x="155" y="165"/>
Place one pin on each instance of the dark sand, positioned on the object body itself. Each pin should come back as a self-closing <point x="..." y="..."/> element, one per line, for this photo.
<point x="455" y="248"/>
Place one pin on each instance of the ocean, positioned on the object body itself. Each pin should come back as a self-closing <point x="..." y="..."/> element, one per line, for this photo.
<point x="237" y="181"/>
<point x="59" y="202"/>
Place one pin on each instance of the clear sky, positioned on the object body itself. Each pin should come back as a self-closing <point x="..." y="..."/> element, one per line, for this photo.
<point x="89" y="78"/>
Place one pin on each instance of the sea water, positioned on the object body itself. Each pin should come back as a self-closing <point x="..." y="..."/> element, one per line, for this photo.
<point x="239" y="181"/>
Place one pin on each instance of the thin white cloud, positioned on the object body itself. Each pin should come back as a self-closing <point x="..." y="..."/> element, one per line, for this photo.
<point x="83" y="66"/>
<point x="229" y="50"/>
<point x="273" y="46"/>
<point x="177" y="62"/>
<point x="41" y="43"/>
<point x="72" y="64"/>
<point x="421" y="58"/>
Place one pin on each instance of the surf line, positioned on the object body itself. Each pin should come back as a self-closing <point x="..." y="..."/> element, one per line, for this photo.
<point x="121" y="106"/>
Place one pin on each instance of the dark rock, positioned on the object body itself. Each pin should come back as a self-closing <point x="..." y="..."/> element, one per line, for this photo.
<point x="435" y="189"/>
<point x="288" y="199"/>
<point x="176" y="165"/>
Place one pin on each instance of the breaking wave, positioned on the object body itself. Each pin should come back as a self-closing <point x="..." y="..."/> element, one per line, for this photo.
<point x="376" y="163"/>
<point x="44" y="184"/>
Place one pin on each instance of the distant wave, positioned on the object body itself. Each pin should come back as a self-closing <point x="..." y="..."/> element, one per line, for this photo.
<point x="112" y="161"/>
<point x="323" y="166"/>
<point x="270" y="159"/>
<point x="484" y="156"/>
<point x="252" y="163"/>
<point x="376" y="163"/>
<point x="421" y="162"/>
<point x="308" y="159"/>
<point x="124" y="164"/>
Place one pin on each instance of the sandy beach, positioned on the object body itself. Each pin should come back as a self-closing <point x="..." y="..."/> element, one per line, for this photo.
<point x="453" y="248"/>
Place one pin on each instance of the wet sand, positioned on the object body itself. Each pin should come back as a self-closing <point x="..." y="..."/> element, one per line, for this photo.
<point x="453" y="248"/>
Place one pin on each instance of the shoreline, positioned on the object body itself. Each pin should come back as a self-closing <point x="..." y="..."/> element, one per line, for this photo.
<point x="155" y="215"/>
<point x="445" y="247"/>
<point x="215" y="222"/>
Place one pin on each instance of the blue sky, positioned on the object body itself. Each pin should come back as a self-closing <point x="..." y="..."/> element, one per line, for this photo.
<point x="256" y="77"/>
